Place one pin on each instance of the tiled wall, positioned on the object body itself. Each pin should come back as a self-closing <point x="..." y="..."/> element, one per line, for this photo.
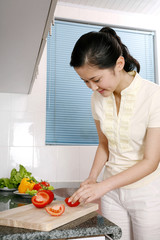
<point x="22" y="138"/>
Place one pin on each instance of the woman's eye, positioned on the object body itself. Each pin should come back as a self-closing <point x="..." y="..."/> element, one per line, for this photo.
<point x="96" y="81"/>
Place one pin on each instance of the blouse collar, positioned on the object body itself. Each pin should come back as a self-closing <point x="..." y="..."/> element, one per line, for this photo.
<point x="134" y="84"/>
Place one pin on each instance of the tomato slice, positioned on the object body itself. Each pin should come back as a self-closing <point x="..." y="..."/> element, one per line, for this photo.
<point x="41" y="199"/>
<point x="56" y="210"/>
<point x="70" y="204"/>
<point x="50" y="193"/>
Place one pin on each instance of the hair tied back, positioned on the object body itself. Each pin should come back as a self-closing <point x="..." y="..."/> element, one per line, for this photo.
<point x="109" y="30"/>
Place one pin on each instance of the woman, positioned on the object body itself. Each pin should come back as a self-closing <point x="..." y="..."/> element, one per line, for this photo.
<point x="126" y="109"/>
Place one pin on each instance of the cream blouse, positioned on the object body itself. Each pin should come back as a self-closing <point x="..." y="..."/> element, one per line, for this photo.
<point x="139" y="110"/>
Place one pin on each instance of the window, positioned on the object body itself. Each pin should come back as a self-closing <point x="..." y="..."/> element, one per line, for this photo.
<point x="69" y="118"/>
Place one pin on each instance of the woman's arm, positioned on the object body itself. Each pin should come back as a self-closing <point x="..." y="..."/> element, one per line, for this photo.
<point x="144" y="167"/>
<point x="101" y="156"/>
<point x="149" y="164"/>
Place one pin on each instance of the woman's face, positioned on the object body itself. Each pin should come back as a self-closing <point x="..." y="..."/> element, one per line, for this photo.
<point x="105" y="81"/>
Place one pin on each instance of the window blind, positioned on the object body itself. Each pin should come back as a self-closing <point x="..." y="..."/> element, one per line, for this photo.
<point x="68" y="110"/>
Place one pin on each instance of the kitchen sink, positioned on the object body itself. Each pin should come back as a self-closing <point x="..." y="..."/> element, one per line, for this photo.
<point x="64" y="192"/>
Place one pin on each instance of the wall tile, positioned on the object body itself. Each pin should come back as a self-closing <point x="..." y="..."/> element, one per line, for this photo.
<point x="68" y="163"/>
<point x="45" y="163"/>
<point x="39" y="128"/>
<point x="4" y="161"/>
<point x="22" y="129"/>
<point x="19" y="102"/>
<point x="37" y="102"/>
<point x="21" y="155"/>
<point x="87" y="154"/>
<point x="5" y="121"/>
<point x="5" y="102"/>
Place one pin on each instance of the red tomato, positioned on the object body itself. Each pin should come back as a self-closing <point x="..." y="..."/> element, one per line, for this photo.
<point x="56" y="210"/>
<point x="40" y="200"/>
<point x="50" y="193"/>
<point x="71" y="204"/>
<point x="44" y="183"/>
<point x="41" y="185"/>
<point x="37" y="186"/>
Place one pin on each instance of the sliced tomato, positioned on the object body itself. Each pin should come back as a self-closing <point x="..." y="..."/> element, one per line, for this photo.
<point x="56" y="210"/>
<point x="50" y="193"/>
<point x="41" y="199"/>
<point x="70" y="204"/>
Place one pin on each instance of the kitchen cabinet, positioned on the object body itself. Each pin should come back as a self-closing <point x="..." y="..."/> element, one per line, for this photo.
<point x="24" y="27"/>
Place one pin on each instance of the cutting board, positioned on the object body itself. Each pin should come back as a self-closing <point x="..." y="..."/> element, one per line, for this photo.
<point x="30" y="217"/>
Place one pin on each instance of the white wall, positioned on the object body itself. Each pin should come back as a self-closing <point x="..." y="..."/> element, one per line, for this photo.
<point x="22" y="117"/>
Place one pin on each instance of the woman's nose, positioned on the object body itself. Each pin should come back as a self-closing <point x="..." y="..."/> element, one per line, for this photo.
<point x="93" y="86"/>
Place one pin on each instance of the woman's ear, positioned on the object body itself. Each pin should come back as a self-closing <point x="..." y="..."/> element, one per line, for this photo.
<point x="120" y="63"/>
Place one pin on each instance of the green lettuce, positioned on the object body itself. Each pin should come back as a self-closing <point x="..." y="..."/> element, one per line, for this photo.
<point x="16" y="177"/>
<point x="5" y="182"/>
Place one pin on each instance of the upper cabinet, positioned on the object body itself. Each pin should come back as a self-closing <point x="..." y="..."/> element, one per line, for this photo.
<point x="24" y="26"/>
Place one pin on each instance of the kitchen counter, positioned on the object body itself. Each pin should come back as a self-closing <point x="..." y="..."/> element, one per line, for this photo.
<point x="92" y="224"/>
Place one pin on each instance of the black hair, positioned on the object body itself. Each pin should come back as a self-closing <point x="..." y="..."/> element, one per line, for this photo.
<point x="102" y="49"/>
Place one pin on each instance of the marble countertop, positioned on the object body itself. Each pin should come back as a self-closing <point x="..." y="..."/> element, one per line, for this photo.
<point x="92" y="224"/>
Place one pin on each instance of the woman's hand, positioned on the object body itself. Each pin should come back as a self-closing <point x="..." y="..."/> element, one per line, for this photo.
<point x="89" y="180"/>
<point x="88" y="193"/>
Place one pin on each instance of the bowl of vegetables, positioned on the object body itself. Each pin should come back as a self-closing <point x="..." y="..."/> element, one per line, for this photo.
<point x="23" y="183"/>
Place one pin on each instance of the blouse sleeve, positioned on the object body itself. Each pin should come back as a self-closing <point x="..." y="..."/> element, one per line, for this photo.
<point x="154" y="118"/>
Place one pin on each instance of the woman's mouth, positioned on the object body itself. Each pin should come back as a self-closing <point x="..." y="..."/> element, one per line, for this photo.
<point x="101" y="91"/>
